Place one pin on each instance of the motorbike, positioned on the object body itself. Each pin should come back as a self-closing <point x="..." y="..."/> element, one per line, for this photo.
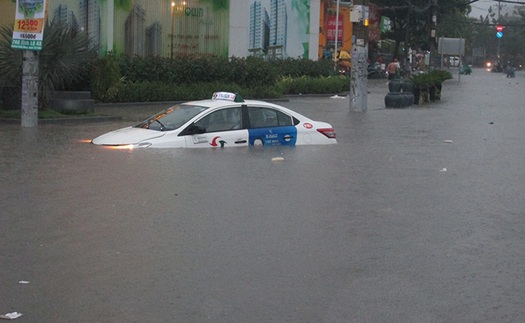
<point x="376" y="72"/>
<point x="495" y="67"/>
<point x="343" y="68"/>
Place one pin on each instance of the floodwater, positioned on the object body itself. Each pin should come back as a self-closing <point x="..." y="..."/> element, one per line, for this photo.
<point x="394" y="223"/>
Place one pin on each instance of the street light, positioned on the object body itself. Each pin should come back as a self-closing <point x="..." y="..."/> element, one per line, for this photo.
<point x="172" y="26"/>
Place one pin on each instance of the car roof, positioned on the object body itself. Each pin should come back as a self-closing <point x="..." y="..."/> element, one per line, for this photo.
<point x="210" y="103"/>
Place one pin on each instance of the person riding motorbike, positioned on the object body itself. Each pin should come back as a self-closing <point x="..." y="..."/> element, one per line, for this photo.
<point x="344" y="61"/>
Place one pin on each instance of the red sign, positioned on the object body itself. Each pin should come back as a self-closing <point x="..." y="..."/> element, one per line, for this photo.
<point x="330" y="28"/>
<point x="500" y="28"/>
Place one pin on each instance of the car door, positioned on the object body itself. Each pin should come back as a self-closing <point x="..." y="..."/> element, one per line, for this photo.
<point x="219" y="128"/>
<point x="270" y="127"/>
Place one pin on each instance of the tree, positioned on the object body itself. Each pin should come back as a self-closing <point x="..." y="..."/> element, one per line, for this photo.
<point x="511" y="46"/>
<point x="412" y="21"/>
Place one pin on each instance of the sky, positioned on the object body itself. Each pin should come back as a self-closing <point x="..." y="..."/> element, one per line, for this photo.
<point x="480" y="7"/>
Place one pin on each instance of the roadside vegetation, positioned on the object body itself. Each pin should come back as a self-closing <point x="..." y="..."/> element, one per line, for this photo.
<point x="67" y="62"/>
<point x="184" y="77"/>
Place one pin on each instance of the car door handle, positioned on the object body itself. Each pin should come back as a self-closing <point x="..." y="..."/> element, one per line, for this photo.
<point x="241" y="141"/>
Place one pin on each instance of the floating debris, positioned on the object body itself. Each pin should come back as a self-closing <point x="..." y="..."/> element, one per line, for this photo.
<point x="10" y="316"/>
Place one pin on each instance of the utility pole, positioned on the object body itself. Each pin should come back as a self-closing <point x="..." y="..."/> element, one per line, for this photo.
<point x="30" y="72"/>
<point x="433" y="52"/>
<point x="359" y="72"/>
<point x="28" y="32"/>
<point x="499" y="39"/>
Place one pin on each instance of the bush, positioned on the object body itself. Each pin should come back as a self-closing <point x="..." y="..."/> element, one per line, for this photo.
<point x="105" y="78"/>
<point x="159" y="91"/>
<point x="184" y="69"/>
<point x="185" y="77"/>
<point x="314" y="85"/>
<point x="303" y="67"/>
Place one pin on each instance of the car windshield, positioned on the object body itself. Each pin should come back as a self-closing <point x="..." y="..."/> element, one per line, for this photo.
<point x="171" y="118"/>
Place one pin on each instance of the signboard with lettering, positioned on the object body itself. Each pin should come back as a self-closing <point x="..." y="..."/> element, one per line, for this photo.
<point x="331" y="23"/>
<point x="28" y="30"/>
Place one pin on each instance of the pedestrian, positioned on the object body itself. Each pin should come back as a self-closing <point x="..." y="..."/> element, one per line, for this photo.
<point x="407" y="68"/>
<point x="392" y="69"/>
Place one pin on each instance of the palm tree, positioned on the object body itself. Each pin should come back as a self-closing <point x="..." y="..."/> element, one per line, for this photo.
<point x="63" y="61"/>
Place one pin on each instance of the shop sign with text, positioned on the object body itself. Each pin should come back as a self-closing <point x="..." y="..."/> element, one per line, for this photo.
<point x="28" y="30"/>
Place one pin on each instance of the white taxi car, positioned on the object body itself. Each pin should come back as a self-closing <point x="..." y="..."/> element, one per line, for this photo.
<point x="226" y="120"/>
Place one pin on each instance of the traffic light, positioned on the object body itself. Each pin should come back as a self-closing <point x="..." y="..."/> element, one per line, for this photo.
<point x="499" y="31"/>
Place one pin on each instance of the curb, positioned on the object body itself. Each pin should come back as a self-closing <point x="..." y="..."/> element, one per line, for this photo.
<point x="75" y="120"/>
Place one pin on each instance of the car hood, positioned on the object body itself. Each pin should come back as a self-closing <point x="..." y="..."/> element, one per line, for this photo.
<point x="127" y="136"/>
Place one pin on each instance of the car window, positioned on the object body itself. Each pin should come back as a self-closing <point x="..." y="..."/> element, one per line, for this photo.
<point x="171" y="118"/>
<point x="267" y="117"/>
<point x="221" y="120"/>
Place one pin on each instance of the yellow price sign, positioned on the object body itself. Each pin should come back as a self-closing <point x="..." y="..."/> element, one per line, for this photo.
<point x="29" y="25"/>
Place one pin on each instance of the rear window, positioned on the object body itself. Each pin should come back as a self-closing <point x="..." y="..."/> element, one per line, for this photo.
<point x="267" y="117"/>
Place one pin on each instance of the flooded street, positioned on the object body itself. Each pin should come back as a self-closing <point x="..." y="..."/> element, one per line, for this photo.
<point x="416" y="215"/>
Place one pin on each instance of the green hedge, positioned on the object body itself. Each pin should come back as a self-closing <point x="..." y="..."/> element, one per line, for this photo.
<point x="159" y="91"/>
<point x="185" y="77"/>
<point x="314" y="85"/>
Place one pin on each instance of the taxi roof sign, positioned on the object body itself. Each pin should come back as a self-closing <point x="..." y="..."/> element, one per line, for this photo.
<point x="234" y="97"/>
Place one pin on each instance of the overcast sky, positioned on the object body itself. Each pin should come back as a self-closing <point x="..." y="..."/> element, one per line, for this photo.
<point x="481" y="7"/>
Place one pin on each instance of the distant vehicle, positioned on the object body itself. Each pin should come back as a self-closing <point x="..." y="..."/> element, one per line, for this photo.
<point x="226" y="120"/>
<point x="494" y="67"/>
<point x="454" y="61"/>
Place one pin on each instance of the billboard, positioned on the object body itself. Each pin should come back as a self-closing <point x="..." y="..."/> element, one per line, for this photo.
<point x="279" y="28"/>
<point x="451" y="46"/>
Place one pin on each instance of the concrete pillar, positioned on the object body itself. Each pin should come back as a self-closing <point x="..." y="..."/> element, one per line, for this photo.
<point x="29" y="113"/>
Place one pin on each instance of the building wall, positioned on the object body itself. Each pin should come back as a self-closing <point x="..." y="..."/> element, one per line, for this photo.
<point x="7" y="13"/>
<point x="274" y="28"/>
<point x="269" y="28"/>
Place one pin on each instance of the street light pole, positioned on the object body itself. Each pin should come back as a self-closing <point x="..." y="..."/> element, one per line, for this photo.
<point x="172" y="26"/>
<point x="336" y="45"/>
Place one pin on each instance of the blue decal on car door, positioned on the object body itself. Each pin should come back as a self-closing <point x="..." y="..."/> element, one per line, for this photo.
<point x="275" y="136"/>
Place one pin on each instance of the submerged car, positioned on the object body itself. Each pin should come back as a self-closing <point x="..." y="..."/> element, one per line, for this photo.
<point x="225" y="120"/>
